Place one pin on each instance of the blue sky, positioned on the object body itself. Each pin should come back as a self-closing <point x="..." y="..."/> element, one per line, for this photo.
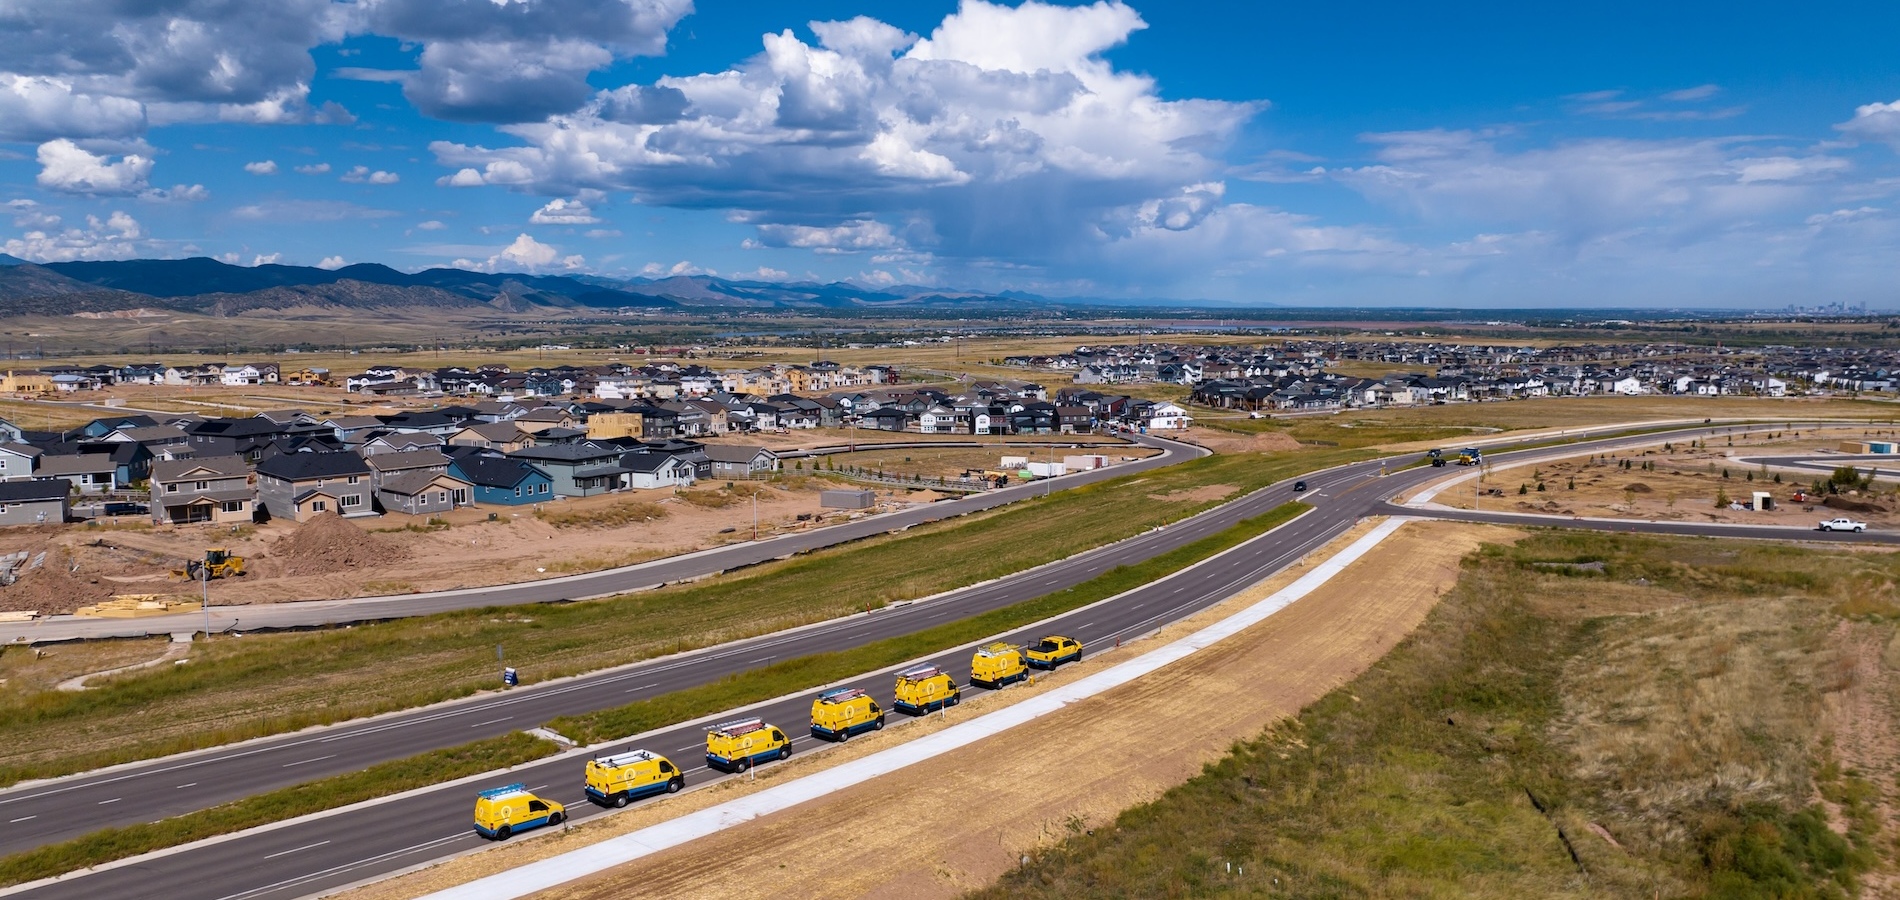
<point x="1482" y="154"/>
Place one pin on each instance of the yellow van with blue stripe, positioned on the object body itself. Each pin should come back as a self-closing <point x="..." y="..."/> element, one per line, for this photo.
<point x="624" y="777"/>
<point x="997" y="665"/>
<point x="838" y="714"/>
<point x="925" y="689"/>
<point x="737" y="745"/>
<point x="504" y="811"/>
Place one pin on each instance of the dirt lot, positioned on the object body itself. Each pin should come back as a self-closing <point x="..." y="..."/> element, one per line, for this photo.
<point x="1141" y="739"/>
<point x="1681" y="485"/>
<point x="952" y="462"/>
<point x="337" y="558"/>
<point x="1229" y="442"/>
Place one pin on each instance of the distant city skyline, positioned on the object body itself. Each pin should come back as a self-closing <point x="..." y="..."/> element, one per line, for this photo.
<point x="1623" y="155"/>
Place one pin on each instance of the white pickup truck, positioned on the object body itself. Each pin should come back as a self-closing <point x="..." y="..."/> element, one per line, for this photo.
<point x="1843" y="524"/>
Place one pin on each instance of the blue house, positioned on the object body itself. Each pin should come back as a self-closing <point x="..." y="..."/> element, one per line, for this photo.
<point x="503" y="481"/>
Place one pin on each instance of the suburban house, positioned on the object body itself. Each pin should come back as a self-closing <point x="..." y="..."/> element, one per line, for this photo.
<point x="657" y="470"/>
<point x="502" y="481"/>
<point x="420" y="492"/>
<point x="298" y="486"/>
<point x="91" y="473"/>
<point x="17" y="461"/>
<point x="579" y="470"/>
<point x="504" y="436"/>
<point x="35" y="502"/>
<point x="736" y="461"/>
<point x="400" y="442"/>
<point x="211" y="490"/>
<point x="386" y="466"/>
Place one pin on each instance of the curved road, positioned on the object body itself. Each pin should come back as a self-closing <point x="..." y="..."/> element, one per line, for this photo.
<point x="316" y="854"/>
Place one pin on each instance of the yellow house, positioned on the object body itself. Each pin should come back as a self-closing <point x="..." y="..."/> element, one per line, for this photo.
<point x="26" y="383"/>
<point x="606" y="426"/>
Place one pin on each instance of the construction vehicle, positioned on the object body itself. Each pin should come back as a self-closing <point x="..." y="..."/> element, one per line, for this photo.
<point x="925" y="689"/>
<point x="1053" y="651"/>
<point x="736" y="745"/>
<point x="623" y="777"/>
<point x="1436" y="457"/>
<point x="996" y="665"/>
<point x="1470" y="456"/>
<point x="838" y="714"/>
<point x="502" y="811"/>
<point x="218" y="563"/>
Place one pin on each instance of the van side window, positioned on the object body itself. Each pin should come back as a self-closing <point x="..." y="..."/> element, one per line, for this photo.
<point x="777" y="735"/>
<point x="537" y="806"/>
<point x="665" y="766"/>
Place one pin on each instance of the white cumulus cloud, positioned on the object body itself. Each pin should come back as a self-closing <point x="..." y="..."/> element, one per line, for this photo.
<point x="118" y="236"/>
<point x="39" y="108"/>
<point x="560" y="211"/>
<point x="263" y="167"/>
<point x="1875" y="122"/>
<point x="524" y="255"/>
<point x="332" y="263"/>
<point x="363" y="175"/>
<point x="69" y="168"/>
<point x="1003" y="134"/>
<point x="313" y="169"/>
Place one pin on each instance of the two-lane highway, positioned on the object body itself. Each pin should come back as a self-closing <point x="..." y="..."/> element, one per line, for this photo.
<point x="313" y="854"/>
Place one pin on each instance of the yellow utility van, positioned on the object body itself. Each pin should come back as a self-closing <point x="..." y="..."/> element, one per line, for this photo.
<point x="504" y="811"/>
<point x="624" y="777"/>
<point x="1053" y="651"/>
<point x="925" y="689"/>
<point x="736" y="745"/>
<point x="838" y="714"/>
<point x="997" y="665"/>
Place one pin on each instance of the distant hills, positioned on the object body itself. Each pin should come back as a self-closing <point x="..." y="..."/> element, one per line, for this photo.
<point x="207" y="286"/>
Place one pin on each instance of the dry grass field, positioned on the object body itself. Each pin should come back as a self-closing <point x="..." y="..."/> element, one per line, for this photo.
<point x="1584" y="715"/>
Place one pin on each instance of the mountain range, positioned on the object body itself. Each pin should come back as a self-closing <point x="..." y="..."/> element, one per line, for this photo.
<point x="207" y="286"/>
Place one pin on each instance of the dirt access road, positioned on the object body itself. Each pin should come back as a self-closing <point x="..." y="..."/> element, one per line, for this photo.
<point x="968" y="818"/>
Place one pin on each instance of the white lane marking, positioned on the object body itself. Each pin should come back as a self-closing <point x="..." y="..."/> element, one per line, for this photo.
<point x="765" y="660"/>
<point x="183" y="786"/>
<point x="113" y="800"/>
<point x="302" y="761"/>
<point x="296" y="849"/>
<point x="641" y="688"/>
<point x="301" y="879"/>
<point x="491" y="722"/>
<point x="21" y="819"/>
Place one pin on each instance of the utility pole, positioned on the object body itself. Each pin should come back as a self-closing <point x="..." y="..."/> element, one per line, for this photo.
<point x="204" y="599"/>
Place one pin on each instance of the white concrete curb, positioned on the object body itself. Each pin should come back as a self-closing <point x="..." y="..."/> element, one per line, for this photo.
<point x="566" y="867"/>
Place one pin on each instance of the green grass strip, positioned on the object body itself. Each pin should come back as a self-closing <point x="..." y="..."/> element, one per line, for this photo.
<point x="822" y="668"/>
<point x="381" y="780"/>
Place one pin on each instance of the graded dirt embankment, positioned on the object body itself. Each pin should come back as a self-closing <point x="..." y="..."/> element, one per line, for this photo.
<point x="964" y="818"/>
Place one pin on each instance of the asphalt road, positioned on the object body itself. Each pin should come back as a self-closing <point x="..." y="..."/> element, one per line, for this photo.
<point x="313" y="613"/>
<point x="313" y="855"/>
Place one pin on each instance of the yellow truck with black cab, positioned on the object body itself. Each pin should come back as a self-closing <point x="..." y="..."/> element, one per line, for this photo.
<point x="735" y="746"/>
<point x="838" y="714"/>
<point x="925" y="689"/>
<point x="505" y="811"/>
<point x="1053" y="651"/>
<point x="624" y="777"/>
<point x="997" y="665"/>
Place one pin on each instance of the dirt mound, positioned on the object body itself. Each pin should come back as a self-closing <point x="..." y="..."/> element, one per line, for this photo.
<point x="54" y="588"/>
<point x="1637" y="487"/>
<point x="329" y="543"/>
<point x="1848" y="505"/>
